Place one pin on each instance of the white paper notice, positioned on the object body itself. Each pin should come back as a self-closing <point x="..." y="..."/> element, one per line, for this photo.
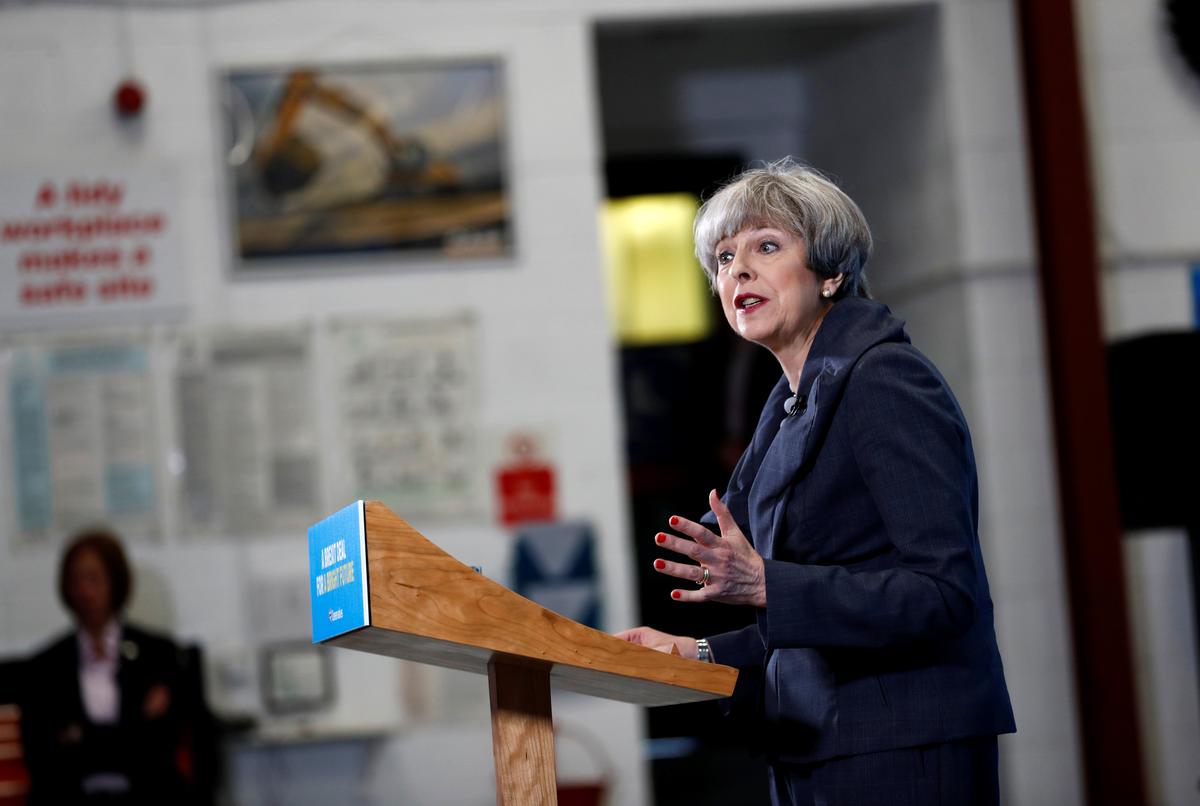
<point x="248" y="432"/>
<point x="405" y="406"/>
<point x="83" y="439"/>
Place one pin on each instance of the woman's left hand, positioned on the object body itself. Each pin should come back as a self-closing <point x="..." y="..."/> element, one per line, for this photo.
<point x="735" y="569"/>
<point x="663" y="642"/>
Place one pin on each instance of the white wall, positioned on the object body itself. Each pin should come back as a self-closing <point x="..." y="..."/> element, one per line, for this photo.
<point x="1144" y="113"/>
<point x="1013" y="429"/>
<point x="879" y="125"/>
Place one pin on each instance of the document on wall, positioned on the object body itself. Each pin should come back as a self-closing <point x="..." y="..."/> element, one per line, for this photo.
<point x="247" y="433"/>
<point x="83" y="439"/>
<point x="406" y="403"/>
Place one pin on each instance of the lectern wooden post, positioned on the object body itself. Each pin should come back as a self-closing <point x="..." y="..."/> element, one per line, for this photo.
<point x="378" y="585"/>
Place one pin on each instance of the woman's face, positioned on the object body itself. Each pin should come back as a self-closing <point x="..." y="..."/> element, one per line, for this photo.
<point x="767" y="291"/>
<point x="89" y="590"/>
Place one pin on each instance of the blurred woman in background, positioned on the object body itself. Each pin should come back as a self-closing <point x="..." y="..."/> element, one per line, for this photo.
<point x="101" y="719"/>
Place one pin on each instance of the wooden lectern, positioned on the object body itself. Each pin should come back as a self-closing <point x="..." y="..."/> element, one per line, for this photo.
<point x="421" y="604"/>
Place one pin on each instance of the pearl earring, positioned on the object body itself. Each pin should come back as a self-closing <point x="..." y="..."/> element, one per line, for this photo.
<point x="827" y="292"/>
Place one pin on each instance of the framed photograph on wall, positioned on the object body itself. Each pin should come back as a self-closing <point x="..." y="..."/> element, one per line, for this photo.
<point x="400" y="159"/>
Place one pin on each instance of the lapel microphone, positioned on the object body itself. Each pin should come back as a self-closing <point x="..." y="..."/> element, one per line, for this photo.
<point x="794" y="404"/>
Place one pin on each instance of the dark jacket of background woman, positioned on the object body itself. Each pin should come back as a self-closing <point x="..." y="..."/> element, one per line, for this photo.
<point x="878" y="632"/>
<point x="63" y="746"/>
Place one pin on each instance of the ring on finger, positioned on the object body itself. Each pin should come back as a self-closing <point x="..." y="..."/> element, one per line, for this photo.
<point x="704" y="577"/>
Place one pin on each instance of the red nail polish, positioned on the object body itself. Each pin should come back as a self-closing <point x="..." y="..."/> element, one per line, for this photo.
<point x="674" y="521"/>
<point x="675" y="594"/>
<point x="660" y="537"/>
<point x="660" y="564"/>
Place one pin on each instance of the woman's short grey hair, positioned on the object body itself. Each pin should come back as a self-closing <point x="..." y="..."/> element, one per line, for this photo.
<point x="793" y="197"/>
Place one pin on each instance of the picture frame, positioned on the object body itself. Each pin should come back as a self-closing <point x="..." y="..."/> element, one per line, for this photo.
<point x="390" y="159"/>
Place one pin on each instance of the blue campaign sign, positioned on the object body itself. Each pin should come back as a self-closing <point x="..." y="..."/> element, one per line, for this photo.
<point x="337" y="573"/>
<point x="1196" y="295"/>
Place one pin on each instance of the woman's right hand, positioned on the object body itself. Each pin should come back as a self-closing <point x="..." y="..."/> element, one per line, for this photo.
<point x="661" y="641"/>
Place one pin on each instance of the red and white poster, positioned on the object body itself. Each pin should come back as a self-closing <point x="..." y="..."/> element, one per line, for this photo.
<point x="89" y="246"/>
<point x="525" y="488"/>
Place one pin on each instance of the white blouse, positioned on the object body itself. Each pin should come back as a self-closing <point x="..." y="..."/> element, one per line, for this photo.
<point x="98" y="675"/>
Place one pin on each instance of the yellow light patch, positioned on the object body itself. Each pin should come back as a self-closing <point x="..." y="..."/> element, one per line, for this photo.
<point x="657" y="291"/>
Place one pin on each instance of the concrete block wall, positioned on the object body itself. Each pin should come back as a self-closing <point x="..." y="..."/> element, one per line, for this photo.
<point x="1144" y="112"/>
<point x="1013" y="430"/>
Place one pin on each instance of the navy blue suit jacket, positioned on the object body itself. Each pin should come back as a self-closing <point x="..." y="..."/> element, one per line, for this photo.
<point x="878" y="629"/>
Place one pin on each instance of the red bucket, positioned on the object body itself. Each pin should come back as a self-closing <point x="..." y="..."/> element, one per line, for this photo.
<point x="587" y="792"/>
<point x="581" y="794"/>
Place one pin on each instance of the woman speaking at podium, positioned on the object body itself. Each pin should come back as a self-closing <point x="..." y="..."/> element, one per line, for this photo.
<point x="872" y="672"/>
